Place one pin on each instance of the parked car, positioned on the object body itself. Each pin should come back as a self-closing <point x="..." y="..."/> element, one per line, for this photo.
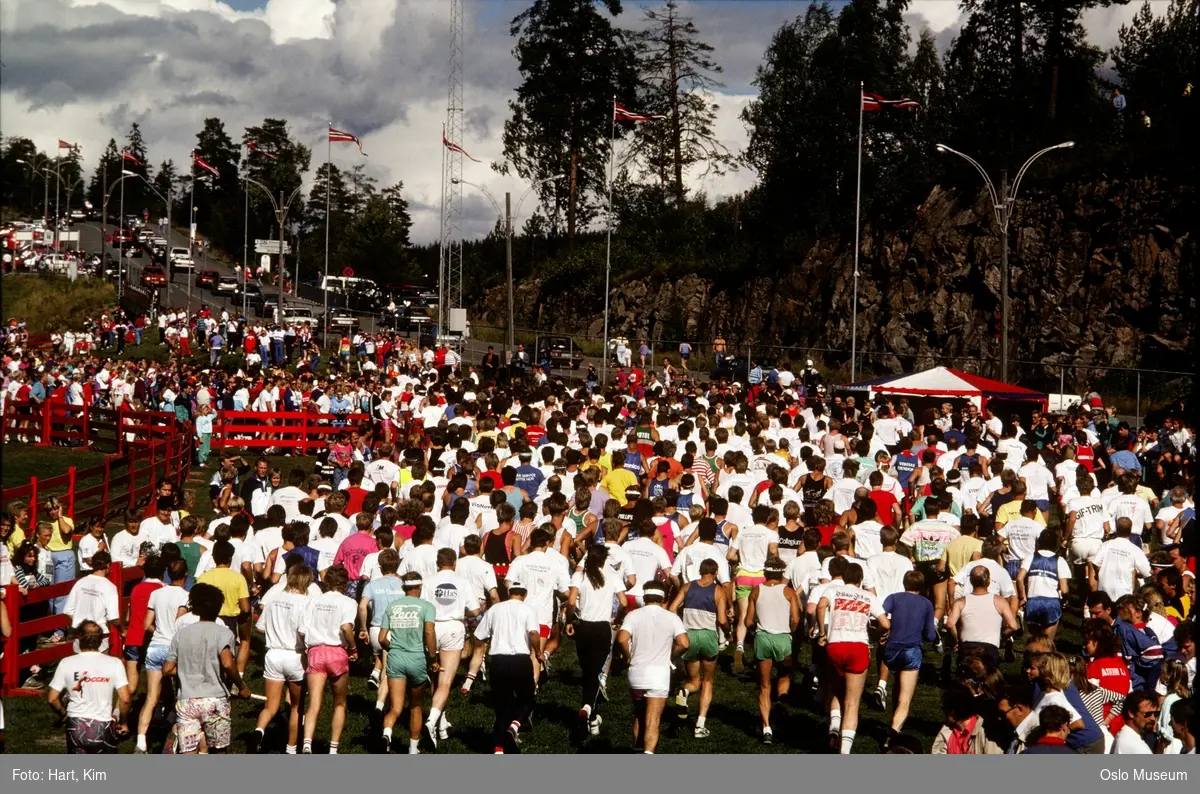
<point x="561" y="351"/>
<point x="226" y="285"/>
<point x="342" y="320"/>
<point x="207" y="278"/>
<point x="252" y="294"/>
<point x="297" y="315"/>
<point x="153" y="276"/>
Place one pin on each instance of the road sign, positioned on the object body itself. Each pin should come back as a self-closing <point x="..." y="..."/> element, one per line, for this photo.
<point x="348" y="272"/>
<point x="270" y="247"/>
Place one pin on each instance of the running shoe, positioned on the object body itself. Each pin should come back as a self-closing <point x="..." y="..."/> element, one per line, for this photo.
<point x="373" y="681"/>
<point x="738" y="667"/>
<point x="594" y="725"/>
<point x="767" y="736"/>
<point x="429" y="733"/>
<point x="681" y="699"/>
<point x="701" y="732"/>
<point x="875" y="700"/>
<point x="308" y="750"/>
<point x="514" y="732"/>
<point x="604" y="688"/>
<point x="253" y="742"/>
<point x="444" y="729"/>
<point x="386" y="743"/>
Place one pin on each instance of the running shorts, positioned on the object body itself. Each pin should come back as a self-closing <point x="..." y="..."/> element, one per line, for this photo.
<point x="544" y="631"/>
<point x="848" y="658"/>
<point x="207" y="717"/>
<point x="132" y="653"/>
<point x="1083" y="550"/>
<point x="900" y="658"/>
<point x="641" y="694"/>
<point x="409" y="667"/>
<point x="702" y="645"/>
<point x="451" y="635"/>
<point x="281" y="664"/>
<point x="91" y="737"/>
<point x="329" y="660"/>
<point x="775" y="647"/>
<point x="1043" y="611"/>
<point x="373" y="637"/>
<point x="929" y="570"/>
<point x="156" y="655"/>
<point x="747" y="581"/>
<point x="1042" y="504"/>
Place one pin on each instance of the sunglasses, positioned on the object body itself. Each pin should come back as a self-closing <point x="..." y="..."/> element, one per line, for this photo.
<point x="1149" y="713"/>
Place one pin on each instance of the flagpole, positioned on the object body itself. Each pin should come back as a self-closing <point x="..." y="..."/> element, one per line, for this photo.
<point x="121" y="238"/>
<point x="857" y="243"/>
<point x="612" y="148"/>
<point x="57" y="185"/>
<point x="442" y="248"/>
<point x="328" y="180"/>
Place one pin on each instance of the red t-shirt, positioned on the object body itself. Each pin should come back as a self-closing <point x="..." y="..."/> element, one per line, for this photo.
<point x="1085" y="456"/>
<point x="135" y="635"/>
<point x="884" y="503"/>
<point x="827" y="531"/>
<point x="404" y="531"/>
<point x="534" y="434"/>
<point x="494" y="476"/>
<point x="354" y="499"/>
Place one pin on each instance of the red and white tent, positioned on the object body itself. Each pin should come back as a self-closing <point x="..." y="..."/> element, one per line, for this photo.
<point x="946" y="382"/>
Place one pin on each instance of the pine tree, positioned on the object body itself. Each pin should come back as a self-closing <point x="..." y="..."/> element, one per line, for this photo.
<point x="135" y="189"/>
<point x="108" y="171"/>
<point x="676" y="69"/>
<point x="572" y="63"/>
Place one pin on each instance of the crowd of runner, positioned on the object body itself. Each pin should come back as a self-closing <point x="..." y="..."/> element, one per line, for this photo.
<point x="455" y="531"/>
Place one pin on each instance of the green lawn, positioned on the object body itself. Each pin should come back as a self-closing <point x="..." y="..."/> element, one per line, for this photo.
<point x="733" y="717"/>
<point x="19" y="462"/>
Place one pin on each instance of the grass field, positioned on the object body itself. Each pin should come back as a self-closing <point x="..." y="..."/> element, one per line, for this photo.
<point x="733" y="717"/>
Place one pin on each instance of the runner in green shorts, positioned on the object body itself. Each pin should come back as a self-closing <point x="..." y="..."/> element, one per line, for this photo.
<point x="408" y="637"/>
<point x="705" y="606"/>
<point x="775" y="608"/>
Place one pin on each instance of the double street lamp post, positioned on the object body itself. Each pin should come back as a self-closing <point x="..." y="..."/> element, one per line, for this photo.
<point x="1003" y="202"/>
<point x="281" y="208"/>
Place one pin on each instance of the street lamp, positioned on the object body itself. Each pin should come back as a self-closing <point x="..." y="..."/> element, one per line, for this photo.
<point x="1002" y="204"/>
<point x="120" y="231"/>
<point x="509" y="339"/>
<point x="281" y="211"/>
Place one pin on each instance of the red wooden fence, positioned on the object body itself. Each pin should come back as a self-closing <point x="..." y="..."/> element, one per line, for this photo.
<point x="14" y="662"/>
<point x="300" y="431"/>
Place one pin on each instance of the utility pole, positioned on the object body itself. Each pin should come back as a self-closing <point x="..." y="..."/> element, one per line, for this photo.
<point x="280" y="212"/>
<point x="1004" y="279"/>
<point x="508" y="256"/>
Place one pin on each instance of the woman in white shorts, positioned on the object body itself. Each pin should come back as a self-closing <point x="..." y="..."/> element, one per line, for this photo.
<point x="283" y="609"/>
<point x="450" y="595"/>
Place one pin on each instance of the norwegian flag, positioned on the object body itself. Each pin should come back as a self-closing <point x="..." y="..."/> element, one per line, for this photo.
<point x="129" y="158"/>
<point x="257" y="148"/>
<point x="200" y="162"/>
<point x="622" y="113"/>
<point x="872" y="101"/>
<point x="454" y="147"/>
<point x="64" y="145"/>
<point x="338" y="136"/>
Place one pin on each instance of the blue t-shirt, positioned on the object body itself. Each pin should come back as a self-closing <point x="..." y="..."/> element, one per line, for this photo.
<point x="1125" y="460"/>
<point x="912" y="620"/>
<point x="903" y="466"/>
<point x="529" y="479"/>
<point x="382" y="592"/>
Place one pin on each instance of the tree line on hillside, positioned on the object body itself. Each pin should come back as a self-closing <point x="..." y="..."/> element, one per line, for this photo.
<point x="1019" y="75"/>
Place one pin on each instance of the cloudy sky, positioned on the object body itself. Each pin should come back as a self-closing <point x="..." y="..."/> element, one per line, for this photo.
<point x="84" y="70"/>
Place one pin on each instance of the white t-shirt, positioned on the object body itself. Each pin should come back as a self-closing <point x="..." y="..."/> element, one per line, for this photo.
<point x="157" y="532"/>
<point x="422" y="559"/>
<point x="1134" y="508"/>
<point x="93" y="598"/>
<point x="801" y="570"/>
<point x="652" y="632"/>
<point x="125" y="548"/>
<point x="325" y="616"/>
<point x="450" y="535"/>
<point x="1038" y="481"/>
<point x="1021" y="534"/>
<point x="542" y="576"/>
<point x="687" y="562"/>
<point x="842" y="494"/>
<point x="850" y="610"/>
<point x="508" y="624"/>
<point x="1090" y="516"/>
<point x="89" y="680"/>
<point x="1116" y="563"/>
<point x="1038" y="585"/>
<point x="999" y="583"/>
<point x="887" y="569"/>
<point x="88" y="546"/>
<point x="1129" y="742"/>
<point x="165" y="603"/>
<point x="1048" y="699"/>
<point x="289" y="497"/>
<point x="282" y="616"/>
<point x="753" y="545"/>
<point x="450" y="594"/>
<point x="595" y="604"/>
<point x="866" y="539"/>
<point x="478" y="574"/>
<point x="648" y="559"/>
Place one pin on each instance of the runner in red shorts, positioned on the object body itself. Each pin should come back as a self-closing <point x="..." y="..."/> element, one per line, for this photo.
<point x="843" y="614"/>
<point x="328" y="632"/>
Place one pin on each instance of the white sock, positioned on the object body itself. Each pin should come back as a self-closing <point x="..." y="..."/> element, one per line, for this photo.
<point x="414" y="746"/>
<point x="434" y="713"/>
<point x="387" y="734"/>
<point x="291" y="749"/>
<point x="308" y="745"/>
<point x="847" y="741"/>
<point x="700" y="722"/>
<point x="380" y="703"/>
<point x="647" y="752"/>
<point x="141" y="741"/>
<point x="835" y="721"/>
<point x="882" y="687"/>
<point x="587" y="710"/>
<point x="741" y="646"/>
<point x="466" y="685"/>
<point x="333" y="748"/>
<point x="516" y="726"/>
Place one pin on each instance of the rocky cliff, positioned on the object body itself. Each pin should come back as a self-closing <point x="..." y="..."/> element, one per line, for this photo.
<point x="1099" y="275"/>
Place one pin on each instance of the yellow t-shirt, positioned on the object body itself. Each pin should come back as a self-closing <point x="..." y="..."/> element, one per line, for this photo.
<point x="1011" y="511"/>
<point x="959" y="552"/>
<point x="56" y="542"/>
<point x="231" y="584"/>
<point x="617" y="481"/>
<point x="15" y="539"/>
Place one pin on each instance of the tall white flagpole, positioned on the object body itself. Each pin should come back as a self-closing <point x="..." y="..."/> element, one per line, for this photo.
<point x="441" y="323"/>
<point x="328" y="180"/>
<point x="857" y="243"/>
<point x="612" y="148"/>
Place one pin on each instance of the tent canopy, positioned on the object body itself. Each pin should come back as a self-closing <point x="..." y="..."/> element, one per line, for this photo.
<point x="946" y="382"/>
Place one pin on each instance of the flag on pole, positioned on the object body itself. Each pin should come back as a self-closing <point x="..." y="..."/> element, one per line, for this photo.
<point x="454" y="147"/>
<point x="200" y="162"/>
<point x="338" y="136"/>
<point x="64" y="145"/>
<point x="872" y="101"/>
<point x="126" y="156"/>
<point x="252" y="145"/>
<point x="622" y="113"/>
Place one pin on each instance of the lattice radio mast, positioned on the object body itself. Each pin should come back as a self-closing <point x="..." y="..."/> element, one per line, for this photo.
<point x="450" y="276"/>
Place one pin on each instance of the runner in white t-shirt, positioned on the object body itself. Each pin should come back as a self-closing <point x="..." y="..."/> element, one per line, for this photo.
<point x="453" y="600"/>
<point x="650" y="637"/>
<point x="1119" y="562"/>
<point x="544" y="575"/>
<point x="328" y="633"/>
<point x="89" y="680"/>
<point x="284" y="608"/>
